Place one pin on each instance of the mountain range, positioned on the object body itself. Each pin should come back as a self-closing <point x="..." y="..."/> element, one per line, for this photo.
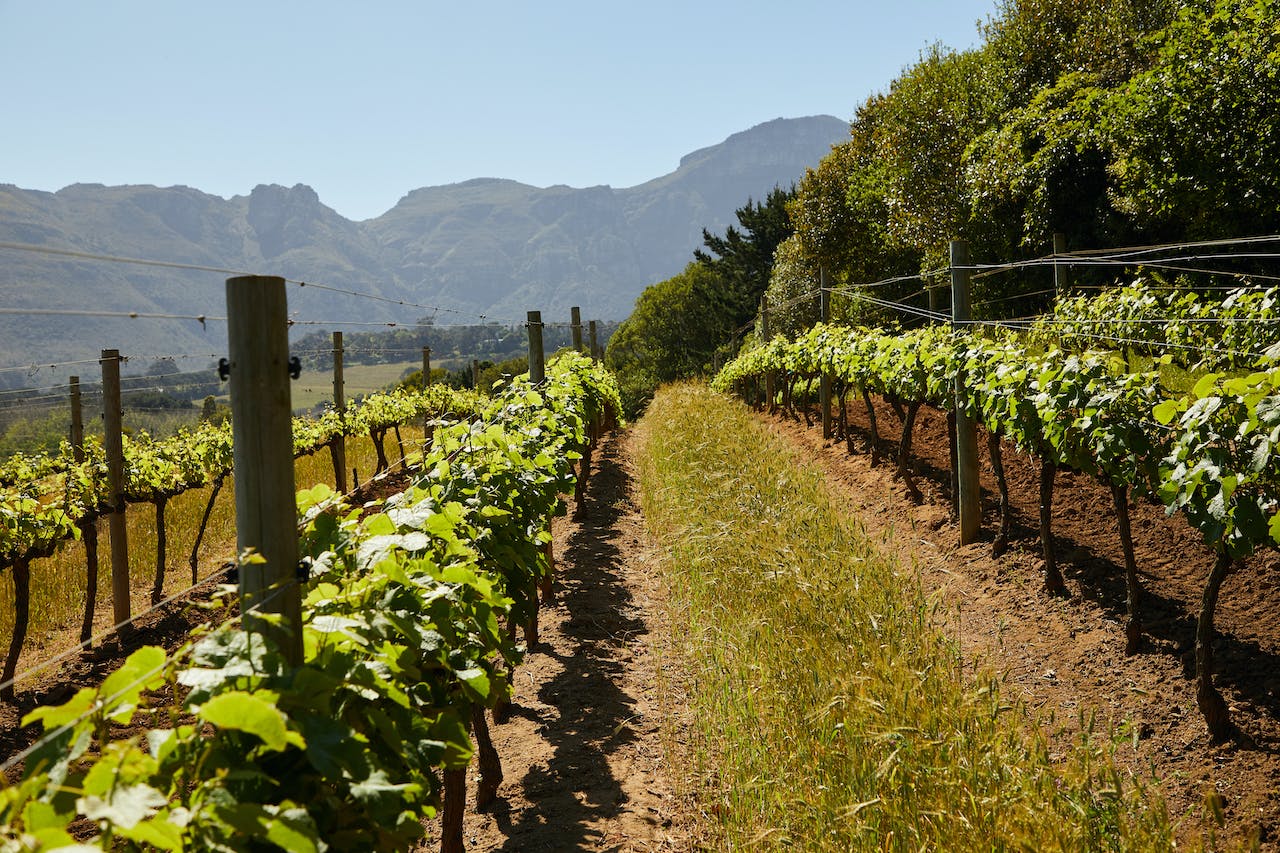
<point x="486" y="247"/>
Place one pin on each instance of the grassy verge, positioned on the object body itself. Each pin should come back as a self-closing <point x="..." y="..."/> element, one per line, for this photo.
<point x="830" y="713"/>
<point x="316" y="386"/>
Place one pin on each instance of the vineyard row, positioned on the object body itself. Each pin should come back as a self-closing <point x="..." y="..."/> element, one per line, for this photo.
<point x="408" y="636"/>
<point x="1209" y="453"/>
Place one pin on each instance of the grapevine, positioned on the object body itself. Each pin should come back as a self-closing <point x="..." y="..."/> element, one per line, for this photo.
<point x="1208" y="454"/>
<point x="403" y="646"/>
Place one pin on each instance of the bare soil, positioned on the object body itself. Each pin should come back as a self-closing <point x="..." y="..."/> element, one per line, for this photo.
<point x="583" y="749"/>
<point x="1064" y="656"/>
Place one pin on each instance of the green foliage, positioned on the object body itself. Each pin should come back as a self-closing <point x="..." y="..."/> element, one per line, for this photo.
<point x="924" y="124"/>
<point x="1236" y="330"/>
<point x="1197" y="136"/>
<point x="1217" y="464"/>
<point x="672" y="333"/>
<point x="742" y="260"/>
<point x="841" y="214"/>
<point x="44" y="496"/>
<point x="1114" y="122"/>
<point x="402" y="638"/>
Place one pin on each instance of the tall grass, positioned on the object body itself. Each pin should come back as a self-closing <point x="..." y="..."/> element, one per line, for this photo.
<point x="59" y="583"/>
<point x="831" y="713"/>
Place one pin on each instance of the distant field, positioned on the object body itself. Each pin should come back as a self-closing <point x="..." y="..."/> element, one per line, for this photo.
<point x="315" y="386"/>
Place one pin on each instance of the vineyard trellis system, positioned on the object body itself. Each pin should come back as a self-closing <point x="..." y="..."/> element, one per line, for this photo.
<point x="1209" y="452"/>
<point x="407" y="632"/>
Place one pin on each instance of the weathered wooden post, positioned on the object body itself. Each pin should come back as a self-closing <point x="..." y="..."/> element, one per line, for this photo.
<point x="765" y="335"/>
<point x="595" y="341"/>
<point x="968" y="488"/>
<point x="338" y="449"/>
<point x="426" y="381"/>
<point x="824" y="386"/>
<point x="261" y="422"/>
<point x="537" y="362"/>
<point x="937" y="309"/>
<point x="113" y="445"/>
<point x="1061" y="274"/>
<point x="575" y="327"/>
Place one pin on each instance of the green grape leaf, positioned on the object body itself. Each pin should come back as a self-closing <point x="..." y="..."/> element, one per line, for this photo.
<point x="247" y="713"/>
<point x="124" y="806"/>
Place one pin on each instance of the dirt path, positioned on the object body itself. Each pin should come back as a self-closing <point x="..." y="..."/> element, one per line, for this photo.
<point x="582" y="752"/>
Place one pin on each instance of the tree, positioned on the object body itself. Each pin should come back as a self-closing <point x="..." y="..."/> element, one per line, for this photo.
<point x="672" y="334"/>
<point x="841" y="216"/>
<point x="1196" y="137"/>
<point x="921" y="130"/>
<point x="741" y="261"/>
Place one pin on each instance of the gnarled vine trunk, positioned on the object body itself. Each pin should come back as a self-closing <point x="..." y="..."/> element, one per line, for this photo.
<point x="400" y="444"/>
<point x="490" y="762"/>
<point x="162" y="548"/>
<point x="1001" y="543"/>
<point x="1053" y="582"/>
<point x="453" y="809"/>
<point x="204" y="524"/>
<point x="21" y="616"/>
<point x="1208" y="699"/>
<point x="875" y="434"/>
<point x="1133" y="588"/>
<point x="89" y="533"/>
<point x="904" y="452"/>
<point x="378" y="435"/>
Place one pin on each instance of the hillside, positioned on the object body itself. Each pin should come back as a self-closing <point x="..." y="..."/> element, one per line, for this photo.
<point x="486" y="246"/>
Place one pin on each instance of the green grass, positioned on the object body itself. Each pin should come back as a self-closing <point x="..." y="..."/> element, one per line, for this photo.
<point x="316" y="386"/>
<point x="831" y="713"/>
<point x="58" y="583"/>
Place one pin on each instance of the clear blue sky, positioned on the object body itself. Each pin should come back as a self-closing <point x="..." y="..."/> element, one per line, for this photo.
<point x="366" y="101"/>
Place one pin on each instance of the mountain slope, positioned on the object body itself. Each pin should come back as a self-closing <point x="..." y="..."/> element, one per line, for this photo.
<point x="482" y="247"/>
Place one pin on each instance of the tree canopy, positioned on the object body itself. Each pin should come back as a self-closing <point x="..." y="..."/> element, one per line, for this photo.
<point x="1113" y="122"/>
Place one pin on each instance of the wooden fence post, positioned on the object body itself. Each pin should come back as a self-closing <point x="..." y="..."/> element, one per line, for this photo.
<point x="595" y="341"/>
<point x="824" y="386"/>
<point x="339" y="447"/>
<point x="969" y="491"/>
<point x="1061" y="275"/>
<point x="426" y="381"/>
<point x="113" y="445"/>
<point x="537" y="362"/>
<point x="765" y="335"/>
<point x="261" y="422"/>
<point x="575" y="327"/>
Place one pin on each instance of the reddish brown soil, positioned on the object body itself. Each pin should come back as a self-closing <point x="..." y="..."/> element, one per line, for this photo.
<point x="1065" y="655"/>
<point x="583" y="750"/>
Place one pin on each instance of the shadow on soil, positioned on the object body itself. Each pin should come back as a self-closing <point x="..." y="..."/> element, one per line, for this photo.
<point x="1169" y="625"/>
<point x="575" y="787"/>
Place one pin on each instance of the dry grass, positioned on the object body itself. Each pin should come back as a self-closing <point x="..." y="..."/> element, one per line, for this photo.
<point x="831" y="714"/>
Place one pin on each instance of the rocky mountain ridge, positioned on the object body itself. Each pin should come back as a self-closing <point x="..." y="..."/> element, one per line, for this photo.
<point x="487" y="246"/>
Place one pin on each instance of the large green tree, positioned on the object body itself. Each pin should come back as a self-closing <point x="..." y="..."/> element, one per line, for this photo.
<point x="741" y="260"/>
<point x="672" y="334"/>
<point x="1196" y="138"/>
